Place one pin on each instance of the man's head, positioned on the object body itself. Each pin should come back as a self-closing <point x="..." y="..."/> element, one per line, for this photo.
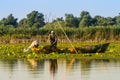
<point x="52" y="32"/>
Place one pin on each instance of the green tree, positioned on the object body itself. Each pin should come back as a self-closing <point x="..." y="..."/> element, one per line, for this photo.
<point x="71" y="21"/>
<point x="35" y="19"/>
<point x="110" y="21"/>
<point x="23" y="23"/>
<point x="10" y="20"/>
<point x="117" y="20"/>
<point x="86" y="19"/>
<point x="100" y="21"/>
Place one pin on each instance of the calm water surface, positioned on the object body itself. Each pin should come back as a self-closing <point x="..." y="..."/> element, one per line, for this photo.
<point x="59" y="69"/>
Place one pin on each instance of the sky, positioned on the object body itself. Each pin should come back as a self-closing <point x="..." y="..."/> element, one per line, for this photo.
<point x="58" y="8"/>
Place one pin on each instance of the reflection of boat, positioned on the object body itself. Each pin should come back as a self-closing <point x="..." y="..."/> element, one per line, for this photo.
<point x="100" y="48"/>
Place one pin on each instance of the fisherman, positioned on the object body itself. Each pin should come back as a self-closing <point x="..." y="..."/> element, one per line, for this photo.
<point x="53" y="40"/>
<point x="34" y="45"/>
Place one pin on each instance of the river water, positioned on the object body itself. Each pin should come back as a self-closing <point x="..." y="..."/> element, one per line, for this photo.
<point x="60" y="69"/>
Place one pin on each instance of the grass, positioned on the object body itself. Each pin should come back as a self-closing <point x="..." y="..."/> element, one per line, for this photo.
<point x="16" y="51"/>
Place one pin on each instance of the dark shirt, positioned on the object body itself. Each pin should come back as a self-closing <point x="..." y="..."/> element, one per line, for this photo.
<point x="53" y="39"/>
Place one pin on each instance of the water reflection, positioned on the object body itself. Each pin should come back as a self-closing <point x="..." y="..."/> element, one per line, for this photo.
<point x="53" y="66"/>
<point x="35" y="64"/>
<point x="88" y="64"/>
<point x="35" y="67"/>
<point x="59" y="69"/>
<point x="9" y="64"/>
<point x="85" y="67"/>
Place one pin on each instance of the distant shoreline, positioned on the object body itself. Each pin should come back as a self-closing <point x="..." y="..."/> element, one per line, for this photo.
<point x="2" y="40"/>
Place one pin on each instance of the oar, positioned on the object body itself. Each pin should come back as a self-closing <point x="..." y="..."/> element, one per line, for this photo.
<point x="66" y="36"/>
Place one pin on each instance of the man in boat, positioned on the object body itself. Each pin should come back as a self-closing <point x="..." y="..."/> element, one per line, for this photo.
<point x="34" y="46"/>
<point x="53" y="40"/>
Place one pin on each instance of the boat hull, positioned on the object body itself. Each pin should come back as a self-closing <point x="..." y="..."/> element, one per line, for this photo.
<point x="99" y="48"/>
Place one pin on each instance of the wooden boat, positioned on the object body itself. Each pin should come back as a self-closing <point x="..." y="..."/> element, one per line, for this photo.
<point x="100" y="48"/>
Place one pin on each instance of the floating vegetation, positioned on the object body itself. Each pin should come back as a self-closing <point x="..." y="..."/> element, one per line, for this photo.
<point x="16" y="51"/>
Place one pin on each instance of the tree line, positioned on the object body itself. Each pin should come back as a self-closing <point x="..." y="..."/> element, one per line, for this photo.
<point x="36" y="19"/>
<point x="82" y="27"/>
